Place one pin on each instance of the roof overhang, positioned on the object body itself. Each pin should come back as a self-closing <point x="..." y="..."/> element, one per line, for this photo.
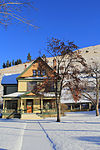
<point x="14" y="95"/>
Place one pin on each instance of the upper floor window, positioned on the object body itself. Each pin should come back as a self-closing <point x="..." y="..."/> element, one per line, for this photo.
<point x="31" y="85"/>
<point x="39" y="73"/>
<point x="50" y="87"/>
<point x="43" y="73"/>
<point x="34" y="72"/>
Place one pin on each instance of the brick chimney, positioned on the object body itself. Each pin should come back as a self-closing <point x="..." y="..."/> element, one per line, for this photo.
<point x="25" y="66"/>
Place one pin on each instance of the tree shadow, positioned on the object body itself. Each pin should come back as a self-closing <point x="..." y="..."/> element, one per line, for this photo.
<point x="92" y="139"/>
<point x="28" y="121"/>
<point x="62" y="130"/>
<point x="49" y="121"/>
<point x="80" y="122"/>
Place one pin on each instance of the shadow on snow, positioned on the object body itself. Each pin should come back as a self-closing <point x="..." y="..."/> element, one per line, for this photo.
<point x="93" y="139"/>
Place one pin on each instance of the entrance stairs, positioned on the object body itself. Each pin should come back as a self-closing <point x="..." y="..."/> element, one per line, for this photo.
<point x="30" y="116"/>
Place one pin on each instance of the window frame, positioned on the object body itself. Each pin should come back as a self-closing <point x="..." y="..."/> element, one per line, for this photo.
<point x="34" y="73"/>
<point x="43" y="73"/>
<point x="39" y="73"/>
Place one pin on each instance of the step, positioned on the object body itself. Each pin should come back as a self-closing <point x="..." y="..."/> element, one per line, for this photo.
<point x="30" y="116"/>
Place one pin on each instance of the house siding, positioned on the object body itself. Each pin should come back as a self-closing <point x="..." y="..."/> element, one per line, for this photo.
<point x="22" y="86"/>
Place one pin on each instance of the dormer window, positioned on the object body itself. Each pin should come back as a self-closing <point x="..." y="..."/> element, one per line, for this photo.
<point x="39" y="73"/>
<point x="34" y="72"/>
<point x="43" y="73"/>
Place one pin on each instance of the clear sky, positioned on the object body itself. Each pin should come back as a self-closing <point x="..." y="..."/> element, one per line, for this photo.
<point x="74" y="20"/>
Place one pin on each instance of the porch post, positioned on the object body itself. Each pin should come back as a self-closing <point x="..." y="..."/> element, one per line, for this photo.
<point x="71" y="107"/>
<point x="41" y="107"/>
<point x="89" y="106"/>
<point x="19" y="101"/>
<point x="21" y="105"/>
<point x="25" y="105"/>
<point x="80" y="107"/>
<point x="4" y="105"/>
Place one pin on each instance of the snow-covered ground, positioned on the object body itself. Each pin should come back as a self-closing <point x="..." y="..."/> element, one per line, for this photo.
<point x="76" y="131"/>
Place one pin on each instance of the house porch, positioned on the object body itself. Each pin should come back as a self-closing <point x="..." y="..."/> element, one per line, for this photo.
<point x="28" y="105"/>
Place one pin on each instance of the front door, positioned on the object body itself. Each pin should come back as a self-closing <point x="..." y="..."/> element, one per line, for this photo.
<point x="29" y="106"/>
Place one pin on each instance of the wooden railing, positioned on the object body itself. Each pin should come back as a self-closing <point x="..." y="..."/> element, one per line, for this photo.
<point x="11" y="112"/>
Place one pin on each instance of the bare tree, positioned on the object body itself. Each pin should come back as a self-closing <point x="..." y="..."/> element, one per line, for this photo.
<point x="69" y="64"/>
<point x="93" y="84"/>
<point x="12" y="9"/>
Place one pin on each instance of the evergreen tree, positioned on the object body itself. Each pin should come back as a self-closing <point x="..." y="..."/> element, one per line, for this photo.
<point x="4" y="65"/>
<point x="43" y="56"/>
<point x="13" y="63"/>
<point x="7" y="63"/>
<point x="29" y="57"/>
<point x="19" y="61"/>
<point x="10" y="64"/>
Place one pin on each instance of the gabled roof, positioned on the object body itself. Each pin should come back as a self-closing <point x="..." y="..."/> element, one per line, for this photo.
<point x="9" y="79"/>
<point x="39" y="58"/>
<point x="30" y="93"/>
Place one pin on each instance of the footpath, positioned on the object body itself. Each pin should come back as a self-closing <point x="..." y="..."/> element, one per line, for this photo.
<point x="35" y="137"/>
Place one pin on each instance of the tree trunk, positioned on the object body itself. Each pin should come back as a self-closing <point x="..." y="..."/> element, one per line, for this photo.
<point x="97" y="96"/>
<point x="58" y="112"/>
<point x="97" y="110"/>
<point x="57" y="102"/>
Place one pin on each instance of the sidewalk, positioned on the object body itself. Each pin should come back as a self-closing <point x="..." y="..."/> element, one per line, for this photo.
<point x="35" y="138"/>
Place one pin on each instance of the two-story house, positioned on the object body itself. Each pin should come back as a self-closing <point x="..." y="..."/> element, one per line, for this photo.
<point x="28" y="92"/>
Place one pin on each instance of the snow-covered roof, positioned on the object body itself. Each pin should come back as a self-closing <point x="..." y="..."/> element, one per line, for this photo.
<point x="9" y="79"/>
<point x="49" y="94"/>
<point x="66" y="97"/>
<point x="36" y="78"/>
<point x="16" y="94"/>
<point x="71" y="101"/>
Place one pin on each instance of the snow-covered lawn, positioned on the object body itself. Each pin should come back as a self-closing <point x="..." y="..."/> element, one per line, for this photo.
<point x="76" y="131"/>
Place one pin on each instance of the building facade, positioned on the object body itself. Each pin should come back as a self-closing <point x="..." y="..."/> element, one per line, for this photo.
<point x="30" y="93"/>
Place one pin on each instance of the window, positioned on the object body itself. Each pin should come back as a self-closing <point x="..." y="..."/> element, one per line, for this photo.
<point x="10" y="89"/>
<point x="5" y="90"/>
<point x="50" y="87"/>
<point x="11" y="104"/>
<point x="43" y="73"/>
<point x="48" y="104"/>
<point x="31" y="85"/>
<point x="39" y="73"/>
<point x="34" y="72"/>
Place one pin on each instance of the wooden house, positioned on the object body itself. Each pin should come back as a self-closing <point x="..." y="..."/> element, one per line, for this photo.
<point x="27" y="93"/>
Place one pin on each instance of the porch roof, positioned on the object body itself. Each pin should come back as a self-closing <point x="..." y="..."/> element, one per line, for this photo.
<point x="29" y="94"/>
<point x="71" y="101"/>
<point x="35" y="78"/>
<point x="49" y="94"/>
<point x="39" y="94"/>
<point x="16" y="94"/>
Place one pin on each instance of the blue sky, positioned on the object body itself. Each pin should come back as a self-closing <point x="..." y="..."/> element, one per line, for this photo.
<point x="74" y="20"/>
